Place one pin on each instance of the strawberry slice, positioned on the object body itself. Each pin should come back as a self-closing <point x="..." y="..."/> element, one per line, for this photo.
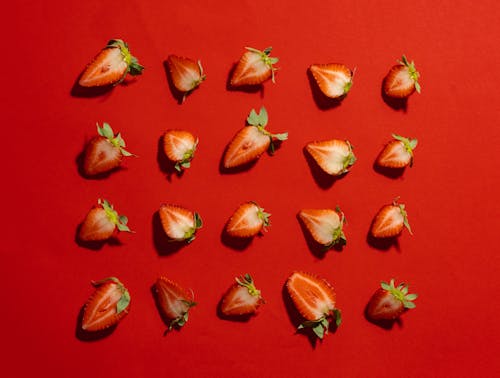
<point x="186" y="74"/>
<point x="315" y="300"/>
<point x="402" y="80"/>
<point x="251" y="141"/>
<point x="390" y="221"/>
<point x="179" y="147"/>
<point x="389" y="302"/>
<point x="334" y="80"/>
<point x="248" y="220"/>
<point x="179" y="224"/>
<point x="174" y="302"/>
<point x="333" y="156"/>
<point x="398" y="153"/>
<point x="110" y="66"/>
<point x="325" y="225"/>
<point x="107" y="306"/>
<point x="101" y="222"/>
<point x="242" y="298"/>
<point x="254" y="67"/>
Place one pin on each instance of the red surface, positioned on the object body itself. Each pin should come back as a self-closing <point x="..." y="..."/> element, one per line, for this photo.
<point x="450" y="193"/>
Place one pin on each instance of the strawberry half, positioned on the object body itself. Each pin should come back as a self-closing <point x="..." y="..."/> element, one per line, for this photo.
<point x="389" y="301"/>
<point x="254" y="67"/>
<point x="247" y="221"/>
<point x="179" y="223"/>
<point x="104" y="152"/>
<point x="402" y="80"/>
<point x="186" y="74"/>
<point x="101" y="222"/>
<point x="390" y="221"/>
<point x="334" y="80"/>
<point x="174" y="302"/>
<point x="333" y="156"/>
<point x="251" y="141"/>
<point x="325" y="225"/>
<point x="398" y="153"/>
<point x="179" y="147"/>
<point x="107" y="306"/>
<point x="315" y="300"/>
<point x="110" y="66"/>
<point x="242" y="298"/>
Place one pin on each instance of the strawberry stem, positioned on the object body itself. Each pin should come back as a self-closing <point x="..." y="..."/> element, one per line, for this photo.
<point x="247" y="281"/>
<point x="107" y="132"/>
<point x="412" y="71"/>
<point x="119" y="220"/>
<point x="269" y="61"/>
<point x="400" y="293"/>
<point x="133" y="66"/>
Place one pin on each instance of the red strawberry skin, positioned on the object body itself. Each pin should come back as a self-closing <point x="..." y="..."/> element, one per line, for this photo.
<point x="390" y="221"/>
<point x="248" y="220"/>
<point x="398" y="153"/>
<point x="101" y="156"/>
<point x="179" y="147"/>
<point x="97" y="226"/>
<point x="402" y="80"/>
<point x="333" y="79"/>
<point x="173" y="301"/>
<point x="253" y="68"/>
<point x="246" y="146"/>
<point x="186" y="73"/>
<point x="179" y="224"/>
<point x="242" y="298"/>
<point x="390" y="302"/>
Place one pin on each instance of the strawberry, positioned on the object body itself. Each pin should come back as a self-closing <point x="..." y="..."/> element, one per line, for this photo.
<point x="242" y="298"/>
<point x="333" y="156"/>
<point x="173" y="301"/>
<point x="334" y="80"/>
<point x="251" y="141"/>
<point x="110" y="66"/>
<point x="398" y="153"/>
<point x="254" y="67"/>
<point x="247" y="221"/>
<point x="325" y="225"/>
<point x="101" y="222"/>
<point x="390" y="221"/>
<point x="402" y="80"/>
<point x="315" y="300"/>
<point x="107" y="306"/>
<point x="104" y="152"/>
<point x="186" y="74"/>
<point x="179" y="223"/>
<point x="179" y="147"/>
<point x="389" y="301"/>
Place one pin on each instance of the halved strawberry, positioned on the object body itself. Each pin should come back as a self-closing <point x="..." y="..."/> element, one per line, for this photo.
<point x="179" y="147"/>
<point x="251" y="141"/>
<point x="389" y="301"/>
<point x="101" y="222"/>
<point x="254" y="67"/>
<point x="333" y="156"/>
<point x="107" y="306"/>
<point x="110" y="66"/>
<point x="104" y="152"/>
<point x="186" y="74"/>
<point x="173" y="301"/>
<point x="242" y="298"/>
<point x="325" y="225"/>
<point x="315" y="300"/>
<point x="334" y="80"/>
<point x="179" y="224"/>
<point x="402" y="80"/>
<point x="247" y="221"/>
<point x="390" y="221"/>
<point x="398" y="153"/>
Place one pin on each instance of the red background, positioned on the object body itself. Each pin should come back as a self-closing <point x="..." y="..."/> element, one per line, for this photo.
<point x="451" y="261"/>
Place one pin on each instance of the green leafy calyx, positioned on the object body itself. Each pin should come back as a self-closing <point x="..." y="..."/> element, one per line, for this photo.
<point x="124" y="300"/>
<point x="268" y="60"/>
<point x="190" y="235"/>
<point x="260" y="121"/>
<point x="119" y="220"/>
<point x="412" y="71"/>
<point x="400" y="293"/>
<point x="403" y="213"/>
<point x="133" y="66"/>
<point x="247" y="281"/>
<point x="321" y="326"/>
<point x="409" y="143"/>
<point x="116" y="140"/>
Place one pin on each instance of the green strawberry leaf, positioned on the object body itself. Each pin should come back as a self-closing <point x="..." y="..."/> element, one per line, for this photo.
<point x="124" y="301"/>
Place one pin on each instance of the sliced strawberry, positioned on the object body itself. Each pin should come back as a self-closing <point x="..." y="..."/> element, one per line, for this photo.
<point x="107" y="306"/>
<point x="389" y="301"/>
<point x="186" y="74"/>
<point x="325" y="225"/>
<point x="110" y="66"/>
<point x="247" y="221"/>
<point x="334" y="80"/>
<point x="333" y="156"/>
<point x="254" y="67"/>
<point x="315" y="300"/>
<point x="179" y="146"/>
<point x="242" y="298"/>
<point x="402" y="80"/>
<point x="173" y="301"/>
<point x="179" y="224"/>
<point x="398" y="153"/>
<point x="101" y="222"/>
<point x="251" y="141"/>
<point x="390" y="221"/>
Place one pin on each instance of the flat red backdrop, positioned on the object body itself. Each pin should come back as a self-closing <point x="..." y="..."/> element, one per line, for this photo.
<point x="451" y="261"/>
